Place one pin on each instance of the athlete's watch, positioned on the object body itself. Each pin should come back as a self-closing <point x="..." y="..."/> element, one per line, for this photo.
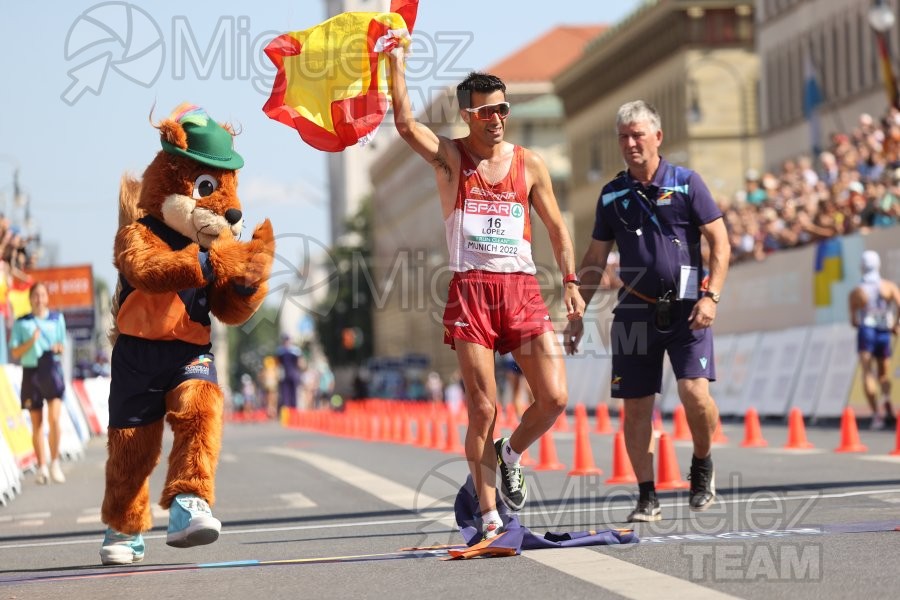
<point x="715" y="296"/>
<point x="571" y="278"/>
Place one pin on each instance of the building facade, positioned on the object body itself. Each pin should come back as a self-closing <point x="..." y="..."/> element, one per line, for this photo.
<point x="695" y="62"/>
<point x="833" y="40"/>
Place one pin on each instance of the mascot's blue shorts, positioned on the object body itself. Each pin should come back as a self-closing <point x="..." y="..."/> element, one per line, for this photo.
<point x="143" y="371"/>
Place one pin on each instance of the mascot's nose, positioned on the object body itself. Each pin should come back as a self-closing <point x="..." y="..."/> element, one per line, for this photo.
<point x="233" y="215"/>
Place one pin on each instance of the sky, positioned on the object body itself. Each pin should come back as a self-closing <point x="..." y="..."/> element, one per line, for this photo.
<point x="75" y="106"/>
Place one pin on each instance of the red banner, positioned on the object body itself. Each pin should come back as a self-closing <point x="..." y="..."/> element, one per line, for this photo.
<point x="69" y="287"/>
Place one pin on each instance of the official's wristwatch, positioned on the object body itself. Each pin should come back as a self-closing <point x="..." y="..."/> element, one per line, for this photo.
<point x="713" y="295"/>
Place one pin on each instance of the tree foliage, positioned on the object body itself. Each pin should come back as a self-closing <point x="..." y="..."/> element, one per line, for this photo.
<point x="345" y="331"/>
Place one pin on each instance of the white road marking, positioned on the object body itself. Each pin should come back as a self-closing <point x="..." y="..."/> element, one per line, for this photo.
<point x="297" y="500"/>
<point x="26" y="520"/>
<point x="95" y="518"/>
<point x="380" y="487"/>
<point x="621" y="577"/>
<point x="791" y="451"/>
<point x="880" y="458"/>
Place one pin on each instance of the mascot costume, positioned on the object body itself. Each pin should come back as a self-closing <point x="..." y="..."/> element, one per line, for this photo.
<point x="179" y="259"/>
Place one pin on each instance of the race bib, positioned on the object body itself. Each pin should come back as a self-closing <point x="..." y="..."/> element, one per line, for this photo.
<point x="494" y="227"/>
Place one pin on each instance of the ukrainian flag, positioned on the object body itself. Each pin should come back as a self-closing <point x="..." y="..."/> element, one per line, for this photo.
<point x="829" y="269"/>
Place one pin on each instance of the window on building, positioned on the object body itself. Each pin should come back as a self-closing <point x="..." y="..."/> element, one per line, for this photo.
<point x="784" y="101"/>
<point x="863" y="46"/>
<point x="595" y="166"/>
<point x="850" y="74"/>
<point x="528" y="134"/>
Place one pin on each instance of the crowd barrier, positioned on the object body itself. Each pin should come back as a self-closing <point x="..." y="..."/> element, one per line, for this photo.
<point x="813" y="368"/>
<point x="85" y="415"/>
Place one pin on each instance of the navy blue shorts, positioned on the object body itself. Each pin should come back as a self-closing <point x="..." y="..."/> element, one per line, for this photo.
<point x="876" y="342"/>
<point x="29" y="394"/>
<point x="638" y="348"/>
<point x="143" y="371"/>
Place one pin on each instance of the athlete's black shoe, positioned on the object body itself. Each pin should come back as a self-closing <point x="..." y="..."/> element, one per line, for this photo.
<point x="703" y="487"/>
<point x="512" y="480"/>
<point x="647" y="510"/>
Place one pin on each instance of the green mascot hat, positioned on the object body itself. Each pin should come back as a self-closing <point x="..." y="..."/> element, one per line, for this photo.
<point x="207" y="142"/>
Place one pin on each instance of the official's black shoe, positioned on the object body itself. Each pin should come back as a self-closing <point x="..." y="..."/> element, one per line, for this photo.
<point x="703" y="487"/>
<point x="647" y="510"/>
<point x="512" y="480"/>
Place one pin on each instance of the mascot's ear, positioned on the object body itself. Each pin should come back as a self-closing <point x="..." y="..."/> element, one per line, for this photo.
<point x="231" y="129"/>
<point x="172" y="132"/>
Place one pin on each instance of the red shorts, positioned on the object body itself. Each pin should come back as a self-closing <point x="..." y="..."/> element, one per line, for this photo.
<point x="500" y="311"/>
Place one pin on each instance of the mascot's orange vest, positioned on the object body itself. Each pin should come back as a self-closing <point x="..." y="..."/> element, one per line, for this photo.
<point x="168" y="316"/>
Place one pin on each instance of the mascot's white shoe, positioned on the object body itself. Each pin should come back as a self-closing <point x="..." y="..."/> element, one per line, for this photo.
<point x="191" y="522"/>
<point x="121" y="548"/>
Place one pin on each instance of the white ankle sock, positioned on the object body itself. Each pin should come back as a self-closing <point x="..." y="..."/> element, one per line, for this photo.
<point x="491" y="516"/>
<point x="510" y="456"/>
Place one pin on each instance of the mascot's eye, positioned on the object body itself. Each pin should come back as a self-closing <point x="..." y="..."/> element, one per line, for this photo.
<point x="204" y="186"/>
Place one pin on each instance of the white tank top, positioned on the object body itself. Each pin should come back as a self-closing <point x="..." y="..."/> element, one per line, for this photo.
<point x="878" y="312"/>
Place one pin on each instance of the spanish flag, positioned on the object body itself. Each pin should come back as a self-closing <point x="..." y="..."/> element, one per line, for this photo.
<point x="332" y="81"/>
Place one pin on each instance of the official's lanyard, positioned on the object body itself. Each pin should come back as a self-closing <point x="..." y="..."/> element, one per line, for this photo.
<point x="646" y="207"/>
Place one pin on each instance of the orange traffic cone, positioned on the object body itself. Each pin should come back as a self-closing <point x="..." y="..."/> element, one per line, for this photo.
<point x="423" y="438"/>
<point x="668" y="475"/>
<point x="512" y="418"/>
<point x="850" y="434"/>
<point x="622" y="417"/>
<point x="752" y="432"/>
<point x="623" y="472"/>
<point x="562" y="423"/>
<point x="719" y="435"/>
<point x="453" y="445"/>
<point x="657" y="421"/>
<point x="796" y="431"/>
<point x="525" y="460"/>
<point x="680" y="429"/>
<point x="437" y="433"/>
<point x="896" y="451"/>
<point x="408" y="437"/>
<point x="603" y="424"/>
<point x="584" y="456"/>
<point x="548" y="458"/>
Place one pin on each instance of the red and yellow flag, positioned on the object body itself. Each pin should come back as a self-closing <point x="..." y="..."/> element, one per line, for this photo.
<point x="332" y="83"/>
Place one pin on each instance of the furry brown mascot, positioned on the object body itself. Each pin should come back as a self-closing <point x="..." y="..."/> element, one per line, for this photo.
<point x="178" y="259"/>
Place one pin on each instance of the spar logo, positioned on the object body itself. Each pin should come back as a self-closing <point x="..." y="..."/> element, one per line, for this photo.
<point x="494" y="209"/>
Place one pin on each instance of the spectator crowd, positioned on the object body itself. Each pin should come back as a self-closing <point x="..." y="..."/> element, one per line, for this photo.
<point x="853" y="186"/>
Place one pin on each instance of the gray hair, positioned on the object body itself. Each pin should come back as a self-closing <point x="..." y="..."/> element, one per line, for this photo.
<point x="638" y="110"/>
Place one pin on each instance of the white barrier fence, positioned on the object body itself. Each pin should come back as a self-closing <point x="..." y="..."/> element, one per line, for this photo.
<point x="85" y="414"/>
<point x="810" y="368"/>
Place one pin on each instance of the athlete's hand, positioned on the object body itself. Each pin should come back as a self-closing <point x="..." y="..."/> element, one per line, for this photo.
<point x="572" y="335"/>
<point x="574" y="302"/>
<point x="703" y="314"/>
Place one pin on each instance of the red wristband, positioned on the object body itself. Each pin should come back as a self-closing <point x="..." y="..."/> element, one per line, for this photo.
<point x="571" y="278"/>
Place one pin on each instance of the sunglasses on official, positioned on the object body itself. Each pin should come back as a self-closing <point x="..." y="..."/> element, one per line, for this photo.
<point x="487" y="111"/>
